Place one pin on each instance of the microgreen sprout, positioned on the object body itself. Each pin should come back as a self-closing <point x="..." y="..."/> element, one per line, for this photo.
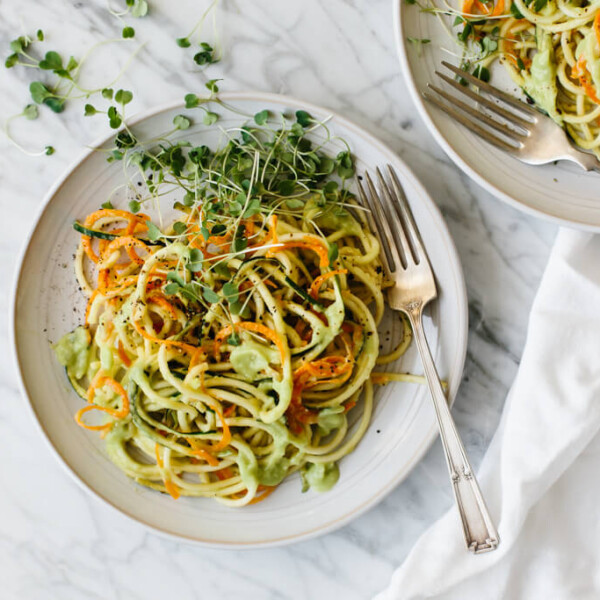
<point x="135" y="8"/>
<point x="194" y="101"/>
<point x="515" y="12"/>
<point x="181" y="122"/>
<point x="206" y="56"/>
<point x="419" y="43"/>
<point x="260" y="118"/>
<point x="482" y="73"/>
<point x="31" y="113"/>
<point x="271" y="165"/>
<point x="58" y="80"/>
<point x="207" y="53"/>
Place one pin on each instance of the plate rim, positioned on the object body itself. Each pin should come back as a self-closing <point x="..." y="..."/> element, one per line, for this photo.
<point x="442" y="141"/>
<point x="420" y="451"/>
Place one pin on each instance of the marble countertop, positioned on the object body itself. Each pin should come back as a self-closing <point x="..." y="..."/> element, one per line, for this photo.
<point x="56" y="542"/>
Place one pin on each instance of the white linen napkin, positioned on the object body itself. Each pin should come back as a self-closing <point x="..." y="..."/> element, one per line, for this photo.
<point x="541" y="473"/>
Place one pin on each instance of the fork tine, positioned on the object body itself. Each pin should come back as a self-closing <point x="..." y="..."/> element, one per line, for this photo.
<point x="508" y="116"/>
<point x="404" y="212"/>
<point x="390" y="249"/>
<point x="386" y="240"/>
<point x="492" y="91"/>
<point x="394" y="217"/>
<point x="362" y="200"/>
<point x="362" y="203"/>
<point x="373" y="225"/>
<point x="477" y="114"/>
<point x="470" y="124"/>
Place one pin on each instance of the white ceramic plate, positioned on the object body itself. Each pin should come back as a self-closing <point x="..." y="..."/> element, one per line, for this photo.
<point x="562" y="193"/>
<point x="47" y="304"/>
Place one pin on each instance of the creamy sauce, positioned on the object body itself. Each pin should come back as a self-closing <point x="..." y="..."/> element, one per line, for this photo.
<point x="541" y="83"/>
<point x="250" y="359"/>
<point x="332" y="218"/>
<point x="321" y="477"/>
<point x="73" y="351"/>
<point x="330" y="419"/>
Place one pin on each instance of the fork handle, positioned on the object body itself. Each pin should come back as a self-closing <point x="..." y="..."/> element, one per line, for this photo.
<point x="479" y="530"/>
<point x="585" y="160"/>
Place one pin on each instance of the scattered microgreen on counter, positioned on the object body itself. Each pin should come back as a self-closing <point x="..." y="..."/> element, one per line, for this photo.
<point x="133" y="8"/>
<point x="58" y="82"/>
<point x="204" y="53"/>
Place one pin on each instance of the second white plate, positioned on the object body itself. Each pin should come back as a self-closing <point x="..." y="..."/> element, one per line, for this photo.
<point x="562" y="192"/>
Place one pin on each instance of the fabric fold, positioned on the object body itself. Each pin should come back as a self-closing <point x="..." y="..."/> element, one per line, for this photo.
<point x="537" y="476"/>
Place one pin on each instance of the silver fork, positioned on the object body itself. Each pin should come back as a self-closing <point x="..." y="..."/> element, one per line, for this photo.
<point x="523" y="132"/>
<point x="405" y="262"/>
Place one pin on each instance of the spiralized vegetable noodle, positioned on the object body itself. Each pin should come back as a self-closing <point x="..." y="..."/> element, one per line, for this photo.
<point x="550" y="49"/>
<point x="228" y="350"/>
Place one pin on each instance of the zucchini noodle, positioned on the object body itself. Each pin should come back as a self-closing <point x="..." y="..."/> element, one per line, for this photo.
<point x="230" y="349"/>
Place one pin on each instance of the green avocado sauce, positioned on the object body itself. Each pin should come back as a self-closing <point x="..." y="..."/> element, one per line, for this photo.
<point x="331" y="218"/>
<point x="73" y="351"/>
<point x="330" y="419"/>
<point x="540" y="84"/>
<point x="320" y="477"/>
<point x="250" y="359"/>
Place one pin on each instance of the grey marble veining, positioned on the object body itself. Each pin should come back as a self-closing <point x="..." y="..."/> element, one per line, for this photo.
<point x="58" y="543"/>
